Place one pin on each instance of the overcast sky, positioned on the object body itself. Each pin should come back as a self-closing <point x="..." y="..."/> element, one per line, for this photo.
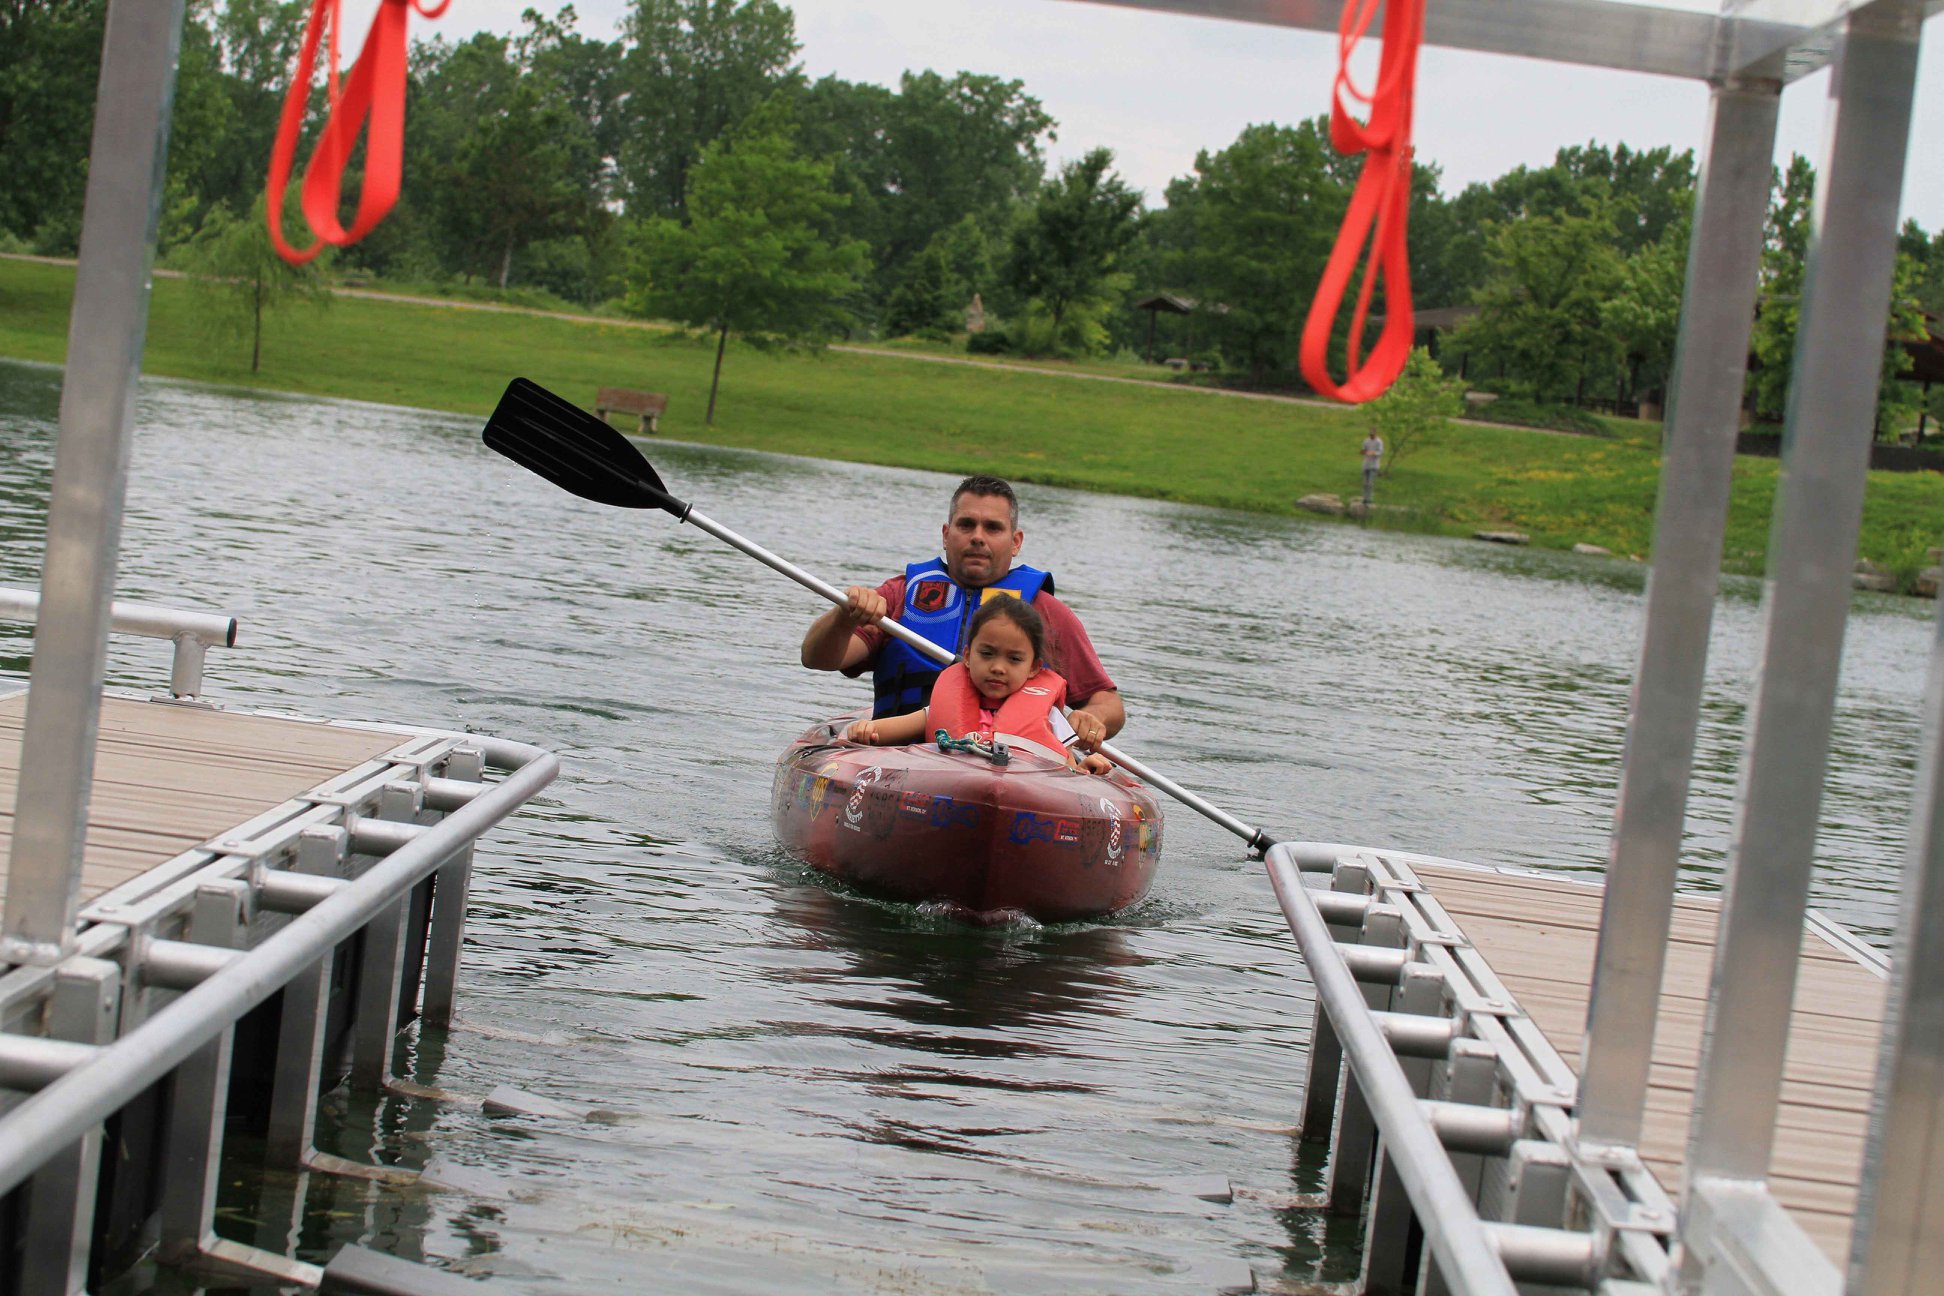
<point x="1157" y="88"/>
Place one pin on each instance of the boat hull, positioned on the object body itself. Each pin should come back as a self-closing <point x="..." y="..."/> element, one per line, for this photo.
<point x="916" y="824"/>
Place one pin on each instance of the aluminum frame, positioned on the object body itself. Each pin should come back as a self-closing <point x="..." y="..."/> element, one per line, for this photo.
<point x="1899" y="1240"/>
<point x="1818" y="511"/>
<point x="1781" y="40"/>
<point x="192" y="932"/>
<point x="192" y="633"/>
<point x="84" y="514"/>
<point x="1485" y="1115"/>
<point x="1690" y="519"/>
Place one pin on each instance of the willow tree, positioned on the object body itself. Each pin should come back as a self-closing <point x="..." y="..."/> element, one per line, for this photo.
<point x="239" y="278"/>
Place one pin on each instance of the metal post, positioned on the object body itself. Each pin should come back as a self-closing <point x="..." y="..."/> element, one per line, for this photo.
<point x="1704" y="405"/>
<point x="84" y="515"/>
<point x="1898" y="1243"/>
<point x="449" y="895"/>
<point x="60" y="1211"/>
<point x="1352" y="1151"/>
<point x="1324" y="1073"/>
<point x="379" y="966"/>
<point x="321" y="852"/>
<point x="199" y="1094"/>
<point x="300" y="1055"/>
<point x="1818" y="509"/>
<point x="1390" y="1261"/>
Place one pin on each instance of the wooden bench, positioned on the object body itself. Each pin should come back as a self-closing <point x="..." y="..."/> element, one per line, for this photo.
<point x="648" y="406"/>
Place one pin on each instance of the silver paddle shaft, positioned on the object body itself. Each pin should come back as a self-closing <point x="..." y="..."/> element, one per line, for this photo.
<point x="1253" y="836"/>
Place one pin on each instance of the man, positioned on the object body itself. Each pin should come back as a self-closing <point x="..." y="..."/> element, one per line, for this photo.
<point x="936" y="598"/>
<point x="1373" y="460"/>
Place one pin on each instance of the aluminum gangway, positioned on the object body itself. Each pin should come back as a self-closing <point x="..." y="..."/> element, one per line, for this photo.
<point x="285" y="891"/>
<point x="1477" y="1091"/>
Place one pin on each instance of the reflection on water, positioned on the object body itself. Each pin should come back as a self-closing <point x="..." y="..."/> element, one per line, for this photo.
<point x="788" y="1086"/>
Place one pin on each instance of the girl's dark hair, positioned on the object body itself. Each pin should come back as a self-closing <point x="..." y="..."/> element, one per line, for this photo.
<point x="1020" y="613"/>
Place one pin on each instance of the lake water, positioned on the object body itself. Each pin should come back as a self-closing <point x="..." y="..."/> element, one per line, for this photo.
<point x="797" y="1089"/>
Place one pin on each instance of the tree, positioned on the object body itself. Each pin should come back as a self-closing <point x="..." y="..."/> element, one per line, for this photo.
<point x="692" y="70"/>
<point x="1785" y="249"/>
<point x="1779" y="308"/>
<point x="1070" y="244"/>
<point x="928" y="301"/>
<point x="50" y="58"/>
<point x="1643" y="194"/>
<point x="1645" y="313"/>
<point x="759" y="256"/>
<point x="1540" y="309"/>
<point x="526" y="167"/>
<point x="934" y="155"/>
<point x="1421" y="400"/>
<point x="239" y="277"/>
<point x="1265" y="212"/>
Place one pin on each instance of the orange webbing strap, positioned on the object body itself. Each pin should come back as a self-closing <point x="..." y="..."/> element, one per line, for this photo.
<point x="374" y="91"/>
<point x="1379" y="207"/>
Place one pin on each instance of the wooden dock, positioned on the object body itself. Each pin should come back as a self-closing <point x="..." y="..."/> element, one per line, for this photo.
<point x="169" y="778"/>
<point x="1539" y="935"/>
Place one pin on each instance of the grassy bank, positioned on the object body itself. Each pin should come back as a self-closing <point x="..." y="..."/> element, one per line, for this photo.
<point x="1023" y="423"/>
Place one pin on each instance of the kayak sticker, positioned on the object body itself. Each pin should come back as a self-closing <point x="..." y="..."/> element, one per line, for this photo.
<point x="1028" y="827"/>
<point x="1116" y="843"/>
<point x="939" y="811"/>
<point x="876" y="815"/>
<point x="1106" y="839"/>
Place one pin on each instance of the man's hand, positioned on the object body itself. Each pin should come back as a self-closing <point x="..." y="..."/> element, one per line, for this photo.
<point x="863" y="606"/>
<point x="1088" y="728"/>
<point x="831" y="642"/>
<point x="1097" y="719"/>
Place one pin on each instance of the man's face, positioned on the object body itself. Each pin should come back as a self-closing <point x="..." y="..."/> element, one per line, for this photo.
<point x="980" y="540"/>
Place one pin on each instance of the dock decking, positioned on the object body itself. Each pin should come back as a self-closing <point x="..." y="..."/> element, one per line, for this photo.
<point x="168" y="778"/>
<point x="1539" y="935"/>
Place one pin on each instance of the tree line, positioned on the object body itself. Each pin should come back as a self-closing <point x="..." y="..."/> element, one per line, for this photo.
<point x="689" y="170"/>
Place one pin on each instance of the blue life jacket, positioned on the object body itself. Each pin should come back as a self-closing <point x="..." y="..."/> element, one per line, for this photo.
<point x="939" y="609"/>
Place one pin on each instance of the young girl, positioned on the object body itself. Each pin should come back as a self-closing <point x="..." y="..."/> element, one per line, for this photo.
<point x="999" y="686"/>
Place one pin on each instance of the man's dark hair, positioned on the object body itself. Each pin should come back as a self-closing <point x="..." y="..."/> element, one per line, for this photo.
<point x="983" y="484"/>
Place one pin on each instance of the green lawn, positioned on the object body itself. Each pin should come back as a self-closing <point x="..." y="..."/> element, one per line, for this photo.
<point x="1019" y="422"/>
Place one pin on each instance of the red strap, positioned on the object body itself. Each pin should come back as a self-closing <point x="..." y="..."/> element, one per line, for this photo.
<point x="375" y="92"/>
<point x="1379" y="207"/>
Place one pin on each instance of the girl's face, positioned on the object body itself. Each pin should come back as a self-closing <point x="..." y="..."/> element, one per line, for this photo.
<point x="999" y="659"/>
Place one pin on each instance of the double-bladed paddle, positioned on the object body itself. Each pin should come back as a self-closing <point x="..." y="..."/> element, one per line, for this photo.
<point x="584" y="454"/>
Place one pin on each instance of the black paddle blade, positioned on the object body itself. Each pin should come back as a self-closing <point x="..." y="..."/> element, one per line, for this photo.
<point x="575" y="450"/>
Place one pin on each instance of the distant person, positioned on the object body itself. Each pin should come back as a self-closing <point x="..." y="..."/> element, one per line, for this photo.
<point x="1002" y="689"/>
<point x="1373" y="461"/>
<point x="937" y="598"/>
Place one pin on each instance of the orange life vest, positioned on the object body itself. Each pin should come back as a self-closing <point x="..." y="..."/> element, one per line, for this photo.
<point x="955" y="708"/>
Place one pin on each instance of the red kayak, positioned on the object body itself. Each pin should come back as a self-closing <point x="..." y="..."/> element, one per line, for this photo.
<point x="1027" y="836"/>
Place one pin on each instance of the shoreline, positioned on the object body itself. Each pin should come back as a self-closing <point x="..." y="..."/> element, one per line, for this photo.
<point x="1116" y="435"/>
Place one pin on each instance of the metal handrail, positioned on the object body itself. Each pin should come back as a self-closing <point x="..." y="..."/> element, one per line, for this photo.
<point x="191" y="632"/>
<point x="1466" y="1256"/>
<point x="54" y="1118"/>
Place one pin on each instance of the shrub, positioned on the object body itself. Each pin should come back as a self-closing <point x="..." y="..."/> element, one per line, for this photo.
<point x="1526" y="413"/>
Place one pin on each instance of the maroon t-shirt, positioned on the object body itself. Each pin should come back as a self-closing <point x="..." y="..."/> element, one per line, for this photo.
<point x="1068" y="649"/>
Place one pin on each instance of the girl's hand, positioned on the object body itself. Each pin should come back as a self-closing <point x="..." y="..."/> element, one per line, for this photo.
<point x="863" y="731"/>
<point x="1095" y="763"/>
